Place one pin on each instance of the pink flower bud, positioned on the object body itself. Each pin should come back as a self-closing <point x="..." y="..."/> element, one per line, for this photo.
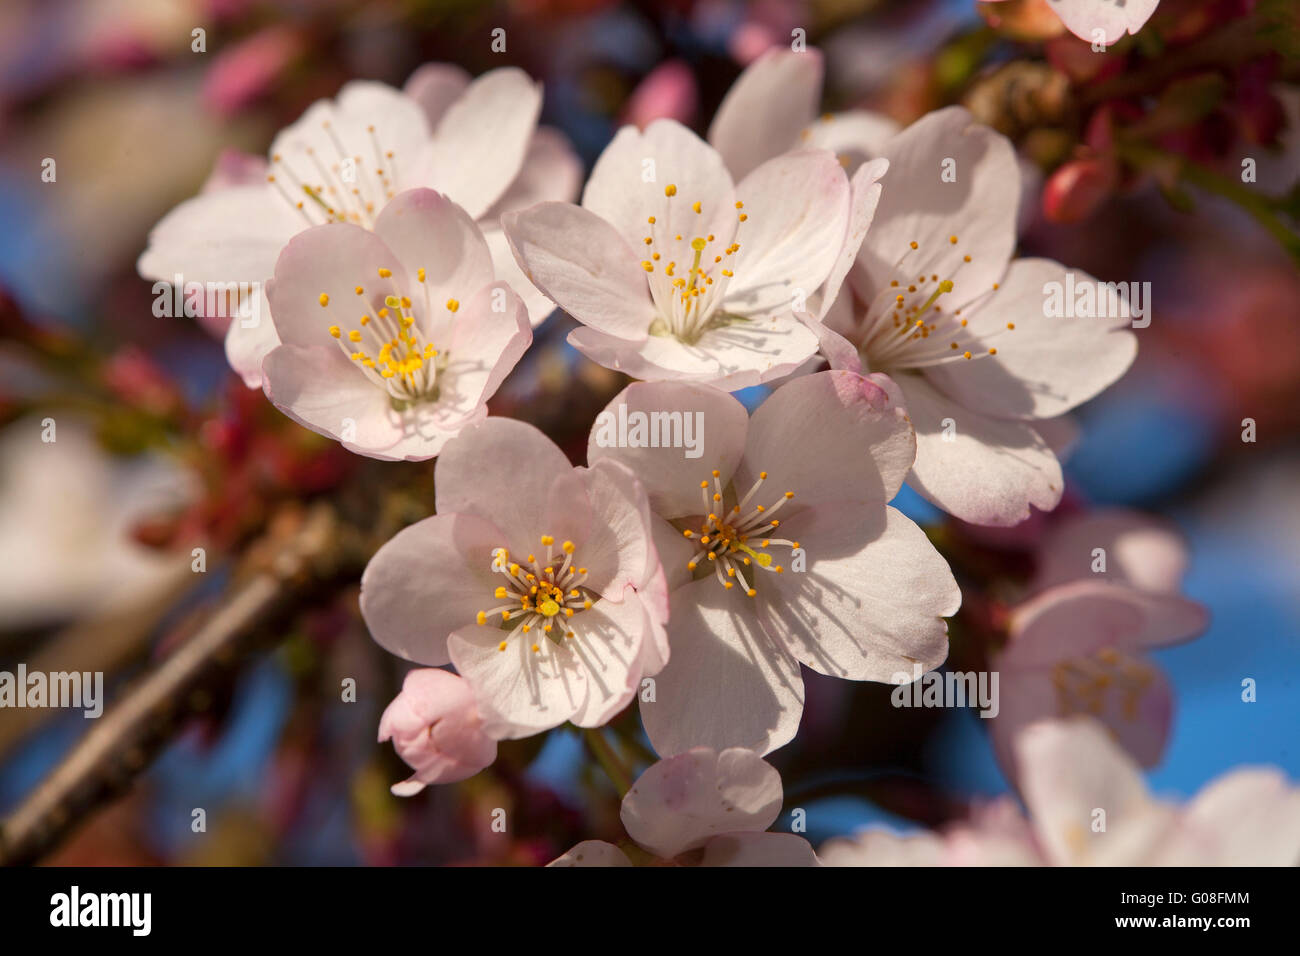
<point x="1076" y="189"/>
<point x="435" y="727"/>
<point x="667" y="92"/>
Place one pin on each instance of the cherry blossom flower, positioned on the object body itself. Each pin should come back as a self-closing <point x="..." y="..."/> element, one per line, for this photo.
<point x="538" y="580"/>
<point x="780" y="550"/>
<point x="1108" y="593"/>
<point x="677" y="273"/>
<point x="344" y="160"/>
<point x="392" y="340"/>
<point x="701" y="808"/>
<point x="1089" y="806"/>
<point x="935" y="302"/>
<point x="1102" y="21"/>
<point x="435" y="727"/>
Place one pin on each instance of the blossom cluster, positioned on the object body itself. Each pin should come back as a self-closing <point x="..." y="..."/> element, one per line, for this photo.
<point x="406" y="243"/>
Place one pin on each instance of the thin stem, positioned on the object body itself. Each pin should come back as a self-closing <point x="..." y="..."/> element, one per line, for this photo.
<point x="614" y="767"/>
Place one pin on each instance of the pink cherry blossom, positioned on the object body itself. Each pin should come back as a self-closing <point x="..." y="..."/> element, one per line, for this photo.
<point x="392" y="340"/>
<point x="1079" y="645"/>
<point x="702" y="808"/>
<point x="345" y="159"/>
<point x="435" y="727"/>
<point x="1102" y="21"/>
<point x="1089" y="806"/>
<point x="677" y="273"/>
<point x="780" y="550"/>
<point x="935" y="301"/>
<point x="538" y="580"/>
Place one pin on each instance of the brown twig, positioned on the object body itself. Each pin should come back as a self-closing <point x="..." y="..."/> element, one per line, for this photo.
<point x="318" y="556"/>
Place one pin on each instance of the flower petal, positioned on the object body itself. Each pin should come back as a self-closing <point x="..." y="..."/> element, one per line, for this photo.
<point x="482" y="139"/>
<point x="250" y="338"/>
<point x="552" y="172"/>
<point x="742" y="354"/>
<point x="628" y="183"/>
<point x="860" y="451"/>
<point x="798" y="209"/>
<point x="759" y="849"/>
<point x="983" y="470"/>
<point x="766" y="108"/>
<point x="870" y="605"/>
<point x="227" y="235"/>
<point x="580" y="263"/>
<point x="671" y="473"/>
<point x="1044" y="366"/>
<point x="436" y="86"/>
<point x="483" y="345"/>
<point x="431" y="235"/>
<point x="593" y="853"/>
<point x="430" y="579"/>
<point x="681" y="802"/>
<point x="1138" y="550"/>
<point x="921" y="206"/>
<point x="855" y="136"/>
<point x="728" y="683"/>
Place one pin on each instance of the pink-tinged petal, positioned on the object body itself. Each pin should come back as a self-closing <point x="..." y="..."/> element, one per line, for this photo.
<point x="653" y="596"/>
<point x="671" y="474"/>
<point x="1068" y="771"/>
<point x="482" y="139"/>
<point x="514" y="476"/>
<point x="483" y="345"/>
<point x="552" y="172"/>
<point x="520" y="691"/>
<point x="429" y="234"/>
<point x="236" y="168"/>
<point x="728" y="683"/>
<point x="1046" y="365"/>
<point x="766" y="108"/>
<point x="840" y="353"/>
<point x="681" y="802"/>
<point x="759" y="849"/>
<point x="383" y="126"/>
<point x="854" y="136"/>
<point x="582" y="265"/>
<point x="675" y="552"/>
<point x="1249" y="817"/>
<point x="608" y="640"/>
<point x="331" y="261"/>
<point x="228" y="235"/>
<point x="860" y="451"/>
<point x="593" y="853"/>
<point x="1082" y="617"/>
<point x="321" y="389"/>
<point x="1103" y="20"/>
<point x="984" y="470"/>
<point x="629" y="181"/>
<point x="979" y="207"/>
<point x="436" y="86"/>
<point x="798" y="217"/>
<point x="877" y="847"/>
<point x="618" y="550"/>
<point x="1137" y="708"/>
<point x="423" y="431"/>
<point x="250" y="338"/>
<point x="507" y="270"/>
<point x="429" y="580"/>
<point x="1061" y="434"/>
<point x="435" y="727"/>
<point x="744" y="353"/>
<point x="1138" y="550"/>
<point x="870" y="605"/>
<point x="864" y="189"/>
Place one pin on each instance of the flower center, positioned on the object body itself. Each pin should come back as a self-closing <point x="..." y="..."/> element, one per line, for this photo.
<point x="687" y="302"/>
<point x="344" y="188"/>
<point x="906" y="326"/>
<point x="1082" y="682"/>
<point x="403" y="364"/>
<point x="538" y="594"/>
<point x="732" y="540"/>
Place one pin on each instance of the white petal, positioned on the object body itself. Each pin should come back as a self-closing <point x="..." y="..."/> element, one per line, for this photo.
<point x="250" y="337"/>
<point x="728" y="683"/>
<point x="593" y="853"/>
<point x="980" y="469"/>
<point x="436" y="86"/>
<point x="765" y="109"/>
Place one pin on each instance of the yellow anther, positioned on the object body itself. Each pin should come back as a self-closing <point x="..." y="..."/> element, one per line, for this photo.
<point x="335" y="331"/>
<point x="567" y="547"/>
<point x="324" y="299"/>
<point x="696" y="206"/>
<point x="453" y="305"/>
<point x="419" y="275"/>
<point x="354" y="336"/>
<point x="481" y="617"/>
<point x="670" y="190"/>
<point x="385" y="273"/>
